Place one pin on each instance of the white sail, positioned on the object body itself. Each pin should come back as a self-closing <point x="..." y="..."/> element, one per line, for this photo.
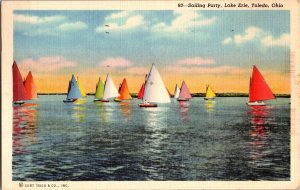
<point x="110" y="90"/>
<point x="155" y="90"/>
<point x="177" y="91"/>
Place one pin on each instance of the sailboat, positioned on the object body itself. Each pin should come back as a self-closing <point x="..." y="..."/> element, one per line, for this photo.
<point x="82" y="90"/>
<point x="176" y="92"/>
<point x="141" y="91"/>
<point x="31" y="92"/>
<point x="210" y="94"/>
<point x="259" y="90"/>
<point x="155" y="90"/>
<point x="184" y="94"/>
<point x="124" y="92"/>
<point x="99" y="90"/>
<point x="110" y="90"/>
<point x="19" y="91"/>
<point x="73" y="91"/>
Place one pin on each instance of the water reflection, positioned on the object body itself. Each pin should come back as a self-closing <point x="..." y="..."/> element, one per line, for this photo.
<point x="24" y="126"/>
<point x="209" y="104"/>
<point x="125" y="109"/>
<point x="101" y="112"/>
<point x="184" y="108"/>
<point x="156" y="138"/>
<point x="79" y="110"/>
<point x="259" y="120"/>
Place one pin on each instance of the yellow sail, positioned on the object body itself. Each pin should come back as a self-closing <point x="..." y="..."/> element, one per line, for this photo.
<point x="82" y="90"/>
<point x="209" y="92"/>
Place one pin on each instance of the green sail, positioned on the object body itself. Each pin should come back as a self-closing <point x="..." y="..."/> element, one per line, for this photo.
<point x="99" y="89"/>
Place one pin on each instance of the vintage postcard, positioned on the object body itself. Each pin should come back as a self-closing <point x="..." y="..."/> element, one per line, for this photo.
<point x="150" y="95"/>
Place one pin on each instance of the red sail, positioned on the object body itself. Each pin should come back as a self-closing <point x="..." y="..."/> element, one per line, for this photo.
<point x="31" y="92"/>
<point x="141" y="92"/>
<point x="184" y="92"/>
<point x="259" y="89"/>
<point x="19" y="92"/>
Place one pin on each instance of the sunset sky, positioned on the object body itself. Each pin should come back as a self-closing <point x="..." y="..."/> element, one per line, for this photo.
<point x="200" y="47"/>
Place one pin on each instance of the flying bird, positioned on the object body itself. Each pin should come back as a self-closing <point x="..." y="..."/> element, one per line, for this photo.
<point x="107" y="25"/>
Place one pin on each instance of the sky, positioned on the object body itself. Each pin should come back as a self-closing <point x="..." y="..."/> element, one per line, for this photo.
<point x="201" y="47"/>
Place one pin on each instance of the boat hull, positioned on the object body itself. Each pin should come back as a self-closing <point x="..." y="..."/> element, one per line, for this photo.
<point x="117" y="100"/>
<point x="182" y="99"/>
<point x="147" y="105"/>
<point x="209" y="98"/>
<point x="18" y="102"/>
<point x="256" y="103"/>
<point x="69" y="100"/>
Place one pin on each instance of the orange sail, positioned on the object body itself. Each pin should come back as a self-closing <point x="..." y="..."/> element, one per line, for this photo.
<point x="30" y="87"/>
<point x="124" y="92"/>
<point x="259" y="89"/>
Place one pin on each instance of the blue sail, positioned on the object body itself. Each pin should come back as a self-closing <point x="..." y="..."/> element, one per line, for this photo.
<point x="74" y="91"/>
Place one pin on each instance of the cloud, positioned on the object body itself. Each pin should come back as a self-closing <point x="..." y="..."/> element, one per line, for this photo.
<point x="249" y="34"/>
<point x="31" y="25"/>
<point x="71" y="26"/>
<point x="121" y="22"/>
<point x="283" y="40"/>
<point x="118" y="15"/>
<point x="31" y="19"/>
<point x="183" y="21"/>
<point x="116" y="62"/>
<point x="257" y="35"/>
<point x="227" y="40"/>
<point x="207" y="70"/>
<point x="196" y="61"/>
<point x="46" y="64"/>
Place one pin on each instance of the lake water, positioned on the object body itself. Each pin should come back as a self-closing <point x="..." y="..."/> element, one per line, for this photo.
<point x="195" y="140"/>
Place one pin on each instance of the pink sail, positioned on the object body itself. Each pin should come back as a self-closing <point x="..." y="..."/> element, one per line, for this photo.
<point x="19" y="92"/>
<point x="184" y="92"/>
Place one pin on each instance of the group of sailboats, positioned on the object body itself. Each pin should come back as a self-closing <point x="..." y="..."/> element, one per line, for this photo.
<point x="154" y="91"/>
<point x="22" y="89"/>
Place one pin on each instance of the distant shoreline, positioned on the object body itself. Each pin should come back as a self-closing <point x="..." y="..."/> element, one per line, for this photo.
<point x="134" y="95"/>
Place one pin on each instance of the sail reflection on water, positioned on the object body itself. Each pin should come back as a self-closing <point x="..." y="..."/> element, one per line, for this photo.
<point x="101" y="112"/>
<point x="209" y="104"/>
<point x="184" y="108"/>
<point x="125" y="109"/>
<point x="24" y="126"/>
<point x="79" y="113"/>
<point x="259" y="118"/>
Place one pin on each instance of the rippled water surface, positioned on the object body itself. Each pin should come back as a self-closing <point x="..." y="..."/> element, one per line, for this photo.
<point x="195" y="140"/>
